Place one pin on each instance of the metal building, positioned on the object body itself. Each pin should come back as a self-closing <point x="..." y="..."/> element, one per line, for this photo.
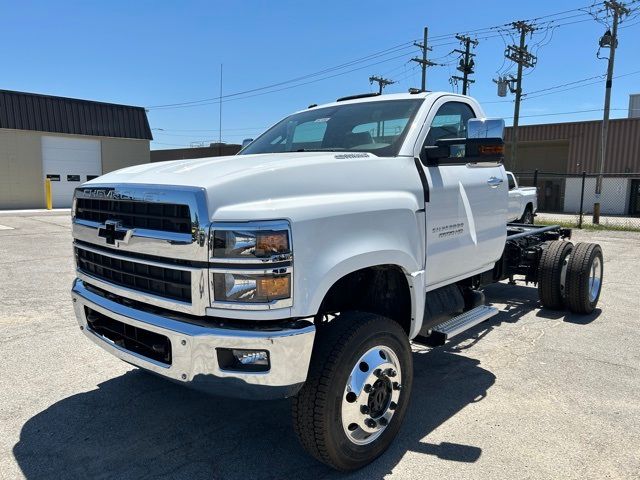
<point x="568" y="149"/>
<point x="634" y="105"/>
<point x="66" y="140"/>
<point x="213" y="150"/>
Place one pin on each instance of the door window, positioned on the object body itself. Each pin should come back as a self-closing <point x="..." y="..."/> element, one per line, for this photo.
<point x="450" y="122"/>
<point x="512" y="182"/>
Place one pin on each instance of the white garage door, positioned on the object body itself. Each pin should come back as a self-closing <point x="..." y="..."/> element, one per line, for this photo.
<point x="69" y="162"/>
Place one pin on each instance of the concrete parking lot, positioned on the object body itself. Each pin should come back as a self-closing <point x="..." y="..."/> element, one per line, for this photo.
<point x="529" y="394"/>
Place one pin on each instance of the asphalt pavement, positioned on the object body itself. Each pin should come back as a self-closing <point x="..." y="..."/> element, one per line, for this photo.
<point x="531" y="393"/>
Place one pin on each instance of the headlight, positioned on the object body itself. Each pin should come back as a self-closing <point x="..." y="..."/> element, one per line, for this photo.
<point x="251" y="288"/>
<point x="250" y="244"/>
<point x="251" y="265"/>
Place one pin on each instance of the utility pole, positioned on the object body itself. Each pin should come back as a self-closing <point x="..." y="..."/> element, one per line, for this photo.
<point x="610" y="40"/>
<point x="467" y="63"/>
<point x="521" y="56"/>
<point x="382" y="82"/>
<point x="424" y="63"/>
<point x="220" y="116"/>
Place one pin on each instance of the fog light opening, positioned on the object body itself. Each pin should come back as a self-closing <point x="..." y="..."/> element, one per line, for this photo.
<point x="240" y="360"/>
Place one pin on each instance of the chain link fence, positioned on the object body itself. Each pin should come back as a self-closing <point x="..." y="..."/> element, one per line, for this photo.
<point x="569" y="198"/>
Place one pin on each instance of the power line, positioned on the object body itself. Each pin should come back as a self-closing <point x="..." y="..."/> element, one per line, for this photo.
<point x="565" y="113"/>
<point x="215" y="100"/>
<point x="554" y="20"/>
<point x="382" y="53"/>
<point x="195" y="134"/>
<point x="509" y="24"/>
<point x="564" y="85"/>
<point x="159" y="129"/>
<point x="602" y="78"/>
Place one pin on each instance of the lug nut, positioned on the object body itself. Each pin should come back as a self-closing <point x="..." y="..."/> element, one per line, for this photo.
<point x="393" y="406"/>
<point x="383" y="422"/>
<point x="364" y="409"/>
<point x="391" y="372"/>
<point x="367" y="388"/>
<point x="377" y="372"/>
<point x="397" y="386"/>
<point x="371" y="423"/>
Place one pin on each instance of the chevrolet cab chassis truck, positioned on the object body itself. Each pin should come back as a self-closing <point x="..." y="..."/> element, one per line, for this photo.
<point x="305" y="265"/>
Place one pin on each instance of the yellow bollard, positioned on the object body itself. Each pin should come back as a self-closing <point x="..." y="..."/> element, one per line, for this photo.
<point x="47" y="192"/>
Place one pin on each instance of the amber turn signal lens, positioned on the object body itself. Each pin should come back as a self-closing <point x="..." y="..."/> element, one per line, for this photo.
<point x="274" y="287"/>
<point x="491" y="149"/>
<point x="271" y="243"/>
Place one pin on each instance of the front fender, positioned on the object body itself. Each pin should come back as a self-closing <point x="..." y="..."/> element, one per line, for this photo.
<point x="327" y="249"/>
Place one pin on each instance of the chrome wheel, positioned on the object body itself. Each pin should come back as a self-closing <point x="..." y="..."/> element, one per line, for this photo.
<point x="595" y="279"/>
<point x="371" y="395"/>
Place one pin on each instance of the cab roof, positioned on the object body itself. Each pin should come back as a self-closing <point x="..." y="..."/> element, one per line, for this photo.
<point x="381" y="98"/>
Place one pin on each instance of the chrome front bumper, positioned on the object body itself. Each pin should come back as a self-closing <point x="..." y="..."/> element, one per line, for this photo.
<point x="193" y="347"/>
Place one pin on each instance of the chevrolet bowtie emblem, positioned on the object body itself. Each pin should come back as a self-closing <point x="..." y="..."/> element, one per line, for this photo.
<point x="112" y="232"/>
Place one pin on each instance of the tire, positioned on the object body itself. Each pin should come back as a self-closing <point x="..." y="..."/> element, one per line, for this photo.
<point x="319" y="409"/>
<point x="584" y="278"/>
<point x="550" y="272"/>
<point x="527" y="216"/>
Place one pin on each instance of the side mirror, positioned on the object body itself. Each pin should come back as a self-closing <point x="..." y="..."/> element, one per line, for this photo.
<point x="433" y="153"/>
<point x="485" y="128"/>
<point x="445" y="151"/>
<point x="484" y="144"/>
<point x="246" y="142"/>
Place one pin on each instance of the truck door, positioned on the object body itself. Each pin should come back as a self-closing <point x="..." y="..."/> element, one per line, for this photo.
<point x="466" y="210"/>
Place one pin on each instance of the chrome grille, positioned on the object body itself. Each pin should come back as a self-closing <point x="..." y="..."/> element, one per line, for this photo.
<point x="165" y="217"/>
<point x="162" y="281"/>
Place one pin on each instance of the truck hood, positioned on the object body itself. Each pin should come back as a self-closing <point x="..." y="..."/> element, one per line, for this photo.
<point x="261" y="185"/>
<point x="212" y="172"/>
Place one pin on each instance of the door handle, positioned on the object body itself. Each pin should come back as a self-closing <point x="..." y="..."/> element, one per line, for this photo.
<point x="494" y="182"/>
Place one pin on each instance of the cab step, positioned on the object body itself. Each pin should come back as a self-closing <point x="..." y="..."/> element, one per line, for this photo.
<point x="445" y="331"/>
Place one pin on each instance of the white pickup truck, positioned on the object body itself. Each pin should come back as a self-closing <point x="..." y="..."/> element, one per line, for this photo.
<point x="523" y="201"/>
<point x="304" y="266"/>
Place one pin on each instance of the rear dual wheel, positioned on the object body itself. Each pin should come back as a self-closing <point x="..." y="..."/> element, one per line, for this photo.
<point x="570" y="276"/>
<point x="357" y="391"/>
<point x="584" y="278"/>
<point x="552" y="271"/>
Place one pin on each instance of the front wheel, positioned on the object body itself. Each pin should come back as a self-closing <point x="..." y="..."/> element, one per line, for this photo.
<point x="357" y="391"/>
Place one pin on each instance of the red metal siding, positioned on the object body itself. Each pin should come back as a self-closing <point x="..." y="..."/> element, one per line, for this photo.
<point x="623" y="146"/>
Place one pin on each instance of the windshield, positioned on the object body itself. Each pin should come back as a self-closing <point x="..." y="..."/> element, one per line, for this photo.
<point x="376" y="127"/>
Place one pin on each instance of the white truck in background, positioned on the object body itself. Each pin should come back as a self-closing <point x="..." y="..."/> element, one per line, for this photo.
<point x="303" y="266"/>
<point x="523" y="202"/>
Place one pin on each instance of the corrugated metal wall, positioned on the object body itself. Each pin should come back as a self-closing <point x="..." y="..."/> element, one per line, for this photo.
<point x="45" y="113"/>
<point x="623" y="146"/>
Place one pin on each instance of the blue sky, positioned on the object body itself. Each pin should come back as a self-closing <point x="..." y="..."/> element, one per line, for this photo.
<point x="152" y="53"/>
